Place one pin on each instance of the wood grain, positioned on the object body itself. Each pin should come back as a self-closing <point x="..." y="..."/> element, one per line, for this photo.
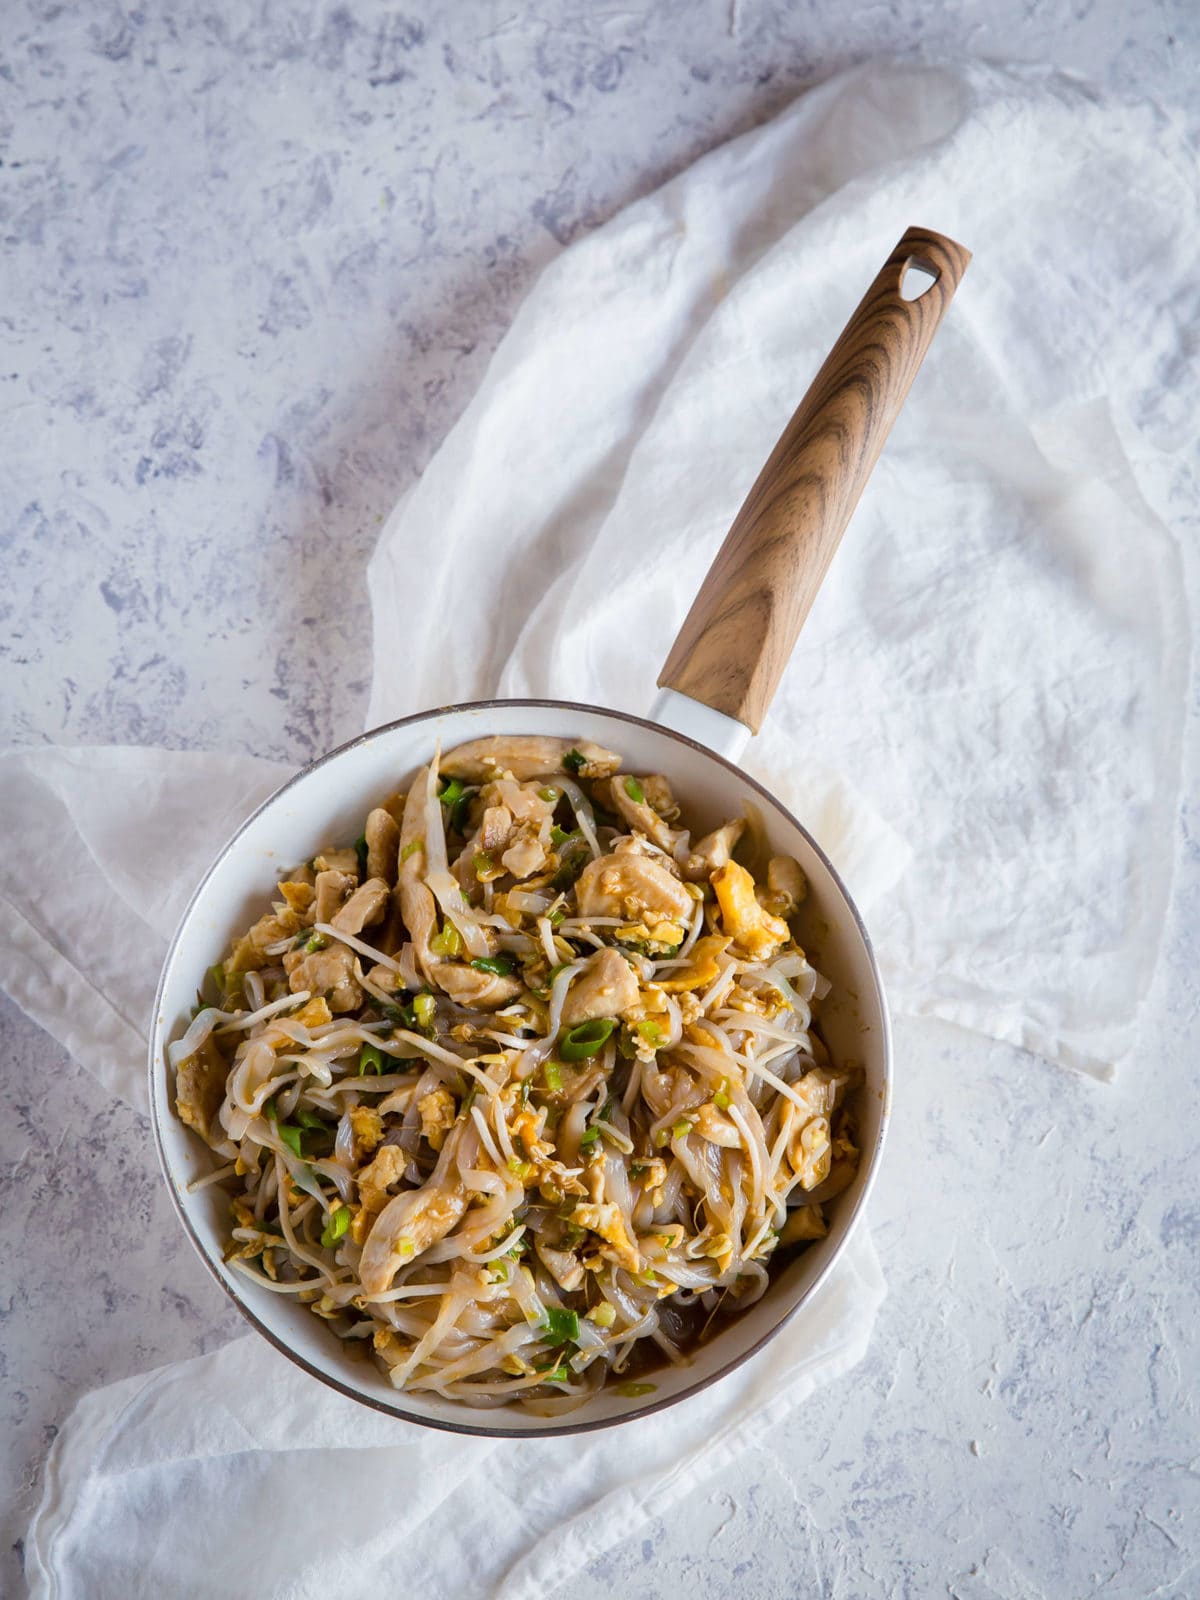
<point x="739" y="633"/>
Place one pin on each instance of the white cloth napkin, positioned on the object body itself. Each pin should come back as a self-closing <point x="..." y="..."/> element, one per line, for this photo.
<point x="995" y="665"/>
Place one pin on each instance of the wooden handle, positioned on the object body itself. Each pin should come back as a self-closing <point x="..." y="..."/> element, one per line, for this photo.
<point x="736" y="639"/>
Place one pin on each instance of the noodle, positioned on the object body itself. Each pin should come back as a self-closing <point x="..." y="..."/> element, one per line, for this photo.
<point x="612" y="1094"/>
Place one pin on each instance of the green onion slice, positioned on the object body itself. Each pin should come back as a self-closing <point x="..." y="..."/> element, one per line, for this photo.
<point x="635" y="791"/>
<point x="502" y="966"/>
<point x="573" y="761"/>
<point x="585" y="1039"/>
<point x="560" y="1327"/>
<point x="339" y="1221"/>
<point x="370" y="1059"/>
<point x="423" y="1009"/>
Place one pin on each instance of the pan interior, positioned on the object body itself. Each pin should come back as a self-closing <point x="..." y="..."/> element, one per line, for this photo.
<point x="327" y="802"/>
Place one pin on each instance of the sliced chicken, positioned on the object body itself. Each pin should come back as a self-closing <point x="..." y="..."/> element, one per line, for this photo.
<point x="365" y="906"/>
<point x="713" y="851"/>
<point x="525" y="756"/>
<point x="630" y="884"/>
<point x="606" y="987"/>
<point x="417" y="905"/>
<point x="200" y="1090"/>
<point x="563" y="1265"/>
<point x="333" y="890"/>
<point x="485" y="991"/>
<point x="326" y="972"/>
<point x="338" y="861"/>
<point x="786" y="886"/>
<point x="639" y="814"/>
<point x="495" y="828"/>
<point x="526" y="854"/>
<point x="413" y="1220"/>
<point x="383" y="845"/>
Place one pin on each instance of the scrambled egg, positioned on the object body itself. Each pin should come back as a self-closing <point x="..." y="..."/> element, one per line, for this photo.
<point x="437" y="1109"/>
<point x="744" y="920"/>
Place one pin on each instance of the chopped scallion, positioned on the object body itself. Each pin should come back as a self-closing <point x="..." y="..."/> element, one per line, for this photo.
<point x="453" y="790"/>
<point x="603" y="1315"/>
<point x="360" y="850"/>
<point x="560" y="1326"/>
<point x="681" y="1129"/>
<point x="549" y="795"/>
<point x="585" y="1039"/>
<point x="635" y="791"/>
<point x="318" y="941"/>
<point x="573" y="761"/>
<point x="424" y="1006"/>
<point x="370" y="1059"/>
<point x="552" y="1073"/>
<point x="501" y="966"/>
<point x="291" y="1136"/>
<point x="411" y="848"/>
<point x="448" y="942"/>
<point x="336" y="1226"/>
<point x="634" y="1391"/>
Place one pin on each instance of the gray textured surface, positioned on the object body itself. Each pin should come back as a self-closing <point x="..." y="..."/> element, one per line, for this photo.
<point x="255" y="260"/>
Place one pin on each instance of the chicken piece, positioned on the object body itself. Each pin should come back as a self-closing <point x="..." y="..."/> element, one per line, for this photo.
<point x="639" y="814"/>
<point x="413" y="1220"/>
<point x="822" y="1090"/>
<point x="713" y="851"/>
<point x="494" y="828"/>
<point x="605" y="987"/>
<point x="483" y="991"/>
<point x="298" y="895"/>
<point x="365" y="906"/>
<point x="658" y="794"/>
<point x="383" y="845"/>
<point x="702" y="966"/>
<point x="711" y="1125"/>
<point x="526" y="854"/>
<point x="743" y="919"/>
<point x="786" y="885"/>
<point x="325" y="972"/>
<point x="437" y="1110"/>
<point x="249" y="953"/>
<point x="631" y="884"/>
<point x="525" y="756"/>
<point x="373" y="1183"/>
<point x="563" y="1265"/>
<point x="367" y="1127"/>
<point x="333" y="890"/>
<point x="200" y="1090"/>
<point x="803" y="1223"/>
<point x="418" y="908"/>
<point x="338" y="861"/>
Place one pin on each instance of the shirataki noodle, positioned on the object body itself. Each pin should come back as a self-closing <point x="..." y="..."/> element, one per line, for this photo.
<point x="522" y="1089"/>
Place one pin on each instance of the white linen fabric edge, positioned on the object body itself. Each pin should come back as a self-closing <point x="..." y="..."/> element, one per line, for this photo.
<point x="223" y="1434"/>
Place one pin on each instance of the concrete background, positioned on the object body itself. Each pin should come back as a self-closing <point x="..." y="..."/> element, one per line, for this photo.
<point x="255" y="259"/>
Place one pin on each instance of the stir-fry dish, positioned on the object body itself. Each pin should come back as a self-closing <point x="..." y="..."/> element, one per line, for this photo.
<point x="521" y="1088"/>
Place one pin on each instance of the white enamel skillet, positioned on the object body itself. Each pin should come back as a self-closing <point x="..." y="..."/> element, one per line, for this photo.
<point x="717" y="684"/>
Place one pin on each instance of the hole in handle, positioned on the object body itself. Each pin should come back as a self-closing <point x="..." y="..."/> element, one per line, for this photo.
<point x="917" y="278"/>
